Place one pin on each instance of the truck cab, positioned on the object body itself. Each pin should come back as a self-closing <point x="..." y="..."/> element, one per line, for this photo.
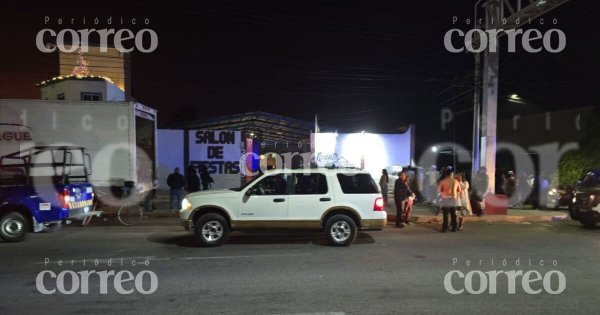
<point x="42" y="187"/>
<point x="585" y="205"/>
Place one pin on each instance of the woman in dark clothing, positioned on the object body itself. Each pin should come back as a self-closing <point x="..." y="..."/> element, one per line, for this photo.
<point x="383" y="184"/>
<point x="476" y="200"/>
<point x="205" y="177"/>
<point x="401" y="194"/>
<point x="193" y="180"/>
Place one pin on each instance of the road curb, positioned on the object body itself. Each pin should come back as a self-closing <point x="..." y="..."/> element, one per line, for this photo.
<point x="161" y="214"/>
<point x="432" y="219"/>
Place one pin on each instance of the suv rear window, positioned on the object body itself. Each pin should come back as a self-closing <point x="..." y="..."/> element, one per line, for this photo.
<point x="353" y="183"/>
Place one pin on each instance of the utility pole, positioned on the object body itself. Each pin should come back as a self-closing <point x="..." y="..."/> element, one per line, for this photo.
<point x="489" y="110"/>
<point x="476" y="116"/>
<point x="499" y="14"/>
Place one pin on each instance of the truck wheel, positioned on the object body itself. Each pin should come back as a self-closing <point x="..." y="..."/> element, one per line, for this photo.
<point x="588" y="222"/>
<point x="52" y="227"/>
<point x="13" y="227"/>
<point x="211" y="230"/>
<point x="341" y="230"/>
<point x="573" y="213"/>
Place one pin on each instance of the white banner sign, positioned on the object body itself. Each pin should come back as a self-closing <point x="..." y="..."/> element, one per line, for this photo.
<point x="372" y="152"/>
<point x="220" y="151"/>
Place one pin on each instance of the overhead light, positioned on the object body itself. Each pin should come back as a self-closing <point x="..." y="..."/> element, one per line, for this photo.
<point x="434" y="148"/>
<point x="515" y="97"/>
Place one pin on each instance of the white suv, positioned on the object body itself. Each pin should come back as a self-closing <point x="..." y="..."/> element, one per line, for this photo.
<point x="337" y="201"/>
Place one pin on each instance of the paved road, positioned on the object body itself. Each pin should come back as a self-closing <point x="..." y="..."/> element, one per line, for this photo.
<point x="388" y="272"/>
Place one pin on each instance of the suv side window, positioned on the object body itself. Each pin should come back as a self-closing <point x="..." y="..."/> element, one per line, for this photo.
<point x="310" y="184"/>
<point x="357" y="183"/>
<point x="271" y="185"/>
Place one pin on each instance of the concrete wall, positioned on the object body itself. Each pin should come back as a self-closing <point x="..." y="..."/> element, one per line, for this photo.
<point x="169" y="147"/>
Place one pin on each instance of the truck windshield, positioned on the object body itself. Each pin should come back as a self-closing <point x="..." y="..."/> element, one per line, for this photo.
<point x="590" y="180"/>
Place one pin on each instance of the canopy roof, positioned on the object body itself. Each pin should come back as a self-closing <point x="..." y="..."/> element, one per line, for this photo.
<point x="265" y="126"/>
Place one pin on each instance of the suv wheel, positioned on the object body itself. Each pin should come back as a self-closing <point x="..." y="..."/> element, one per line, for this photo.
<point x="341" y="230"/>
<point x="13" y="227"/>
<point x="211" y="230"/>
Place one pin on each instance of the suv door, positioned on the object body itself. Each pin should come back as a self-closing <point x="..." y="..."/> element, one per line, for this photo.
<point x="309" y="197"/>
<point x="266" y="200"/>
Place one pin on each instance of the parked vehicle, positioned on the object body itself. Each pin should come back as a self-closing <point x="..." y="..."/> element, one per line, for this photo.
<point x="586" y="202"/>
<point x="560" y="197"/>
<point x="119" y="136"/>
<point x="42" y="187"/>
<point x="336" y="201"/>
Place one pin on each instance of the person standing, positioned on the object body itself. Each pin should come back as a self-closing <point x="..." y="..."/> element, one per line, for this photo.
<point x="401" y="194"/>
<point x="479" y="190"/>
<point x="449" y="189"/>
<point x="176" y="183"/>
<point x="510" y="186"/>
<point x="541" y="185"/>
<point x="205" y="177"/>
<point x="522" y="188"/>
<point x="149" y="196"/>
<point x="408" y="203"/>
<point x="383" y="184"/>
<point x="481" y="183"/>
<point x="193" y="180"/>
<point x="463" y="200"/>
<point x="476" y="201"/>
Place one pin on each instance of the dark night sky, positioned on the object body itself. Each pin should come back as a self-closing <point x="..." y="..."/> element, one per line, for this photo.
<point x="359" y="65"/>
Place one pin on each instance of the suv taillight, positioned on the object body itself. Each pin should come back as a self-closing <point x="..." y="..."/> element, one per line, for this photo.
<point x="64" y="199"/>
<point x="378" y="205"/>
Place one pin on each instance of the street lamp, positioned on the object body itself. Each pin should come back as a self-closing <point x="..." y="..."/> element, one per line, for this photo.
<point x="434" y="149"/>
<point x="515" y="98"/>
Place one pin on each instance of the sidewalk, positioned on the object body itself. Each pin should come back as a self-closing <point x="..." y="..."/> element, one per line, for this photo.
<point x="161" y="205"/>
<point x="421" y="214"/>
<point x="426" y="214"/>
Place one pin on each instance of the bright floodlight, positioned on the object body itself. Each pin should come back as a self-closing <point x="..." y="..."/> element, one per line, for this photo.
<point x="434" y="148"/>
<point x="515" y="97"/>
